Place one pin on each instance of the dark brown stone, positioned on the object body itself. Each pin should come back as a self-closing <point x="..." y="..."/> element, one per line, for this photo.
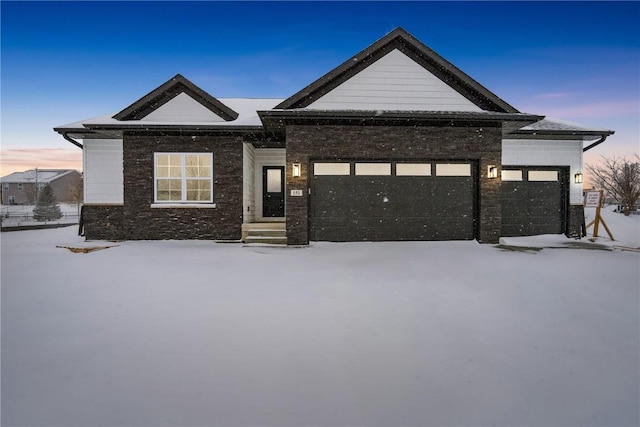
<point x="141" y="221"/>
<point x="332" y="142"/>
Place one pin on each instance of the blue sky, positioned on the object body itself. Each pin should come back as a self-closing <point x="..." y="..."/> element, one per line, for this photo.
<point x="67" y="61"/>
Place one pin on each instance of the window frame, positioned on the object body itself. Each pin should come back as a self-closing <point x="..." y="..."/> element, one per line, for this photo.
<point x="183" y="178"/>
<point x="5" y="186"/>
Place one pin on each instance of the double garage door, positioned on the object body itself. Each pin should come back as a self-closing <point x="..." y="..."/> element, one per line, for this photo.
<point x="384" y="201"/>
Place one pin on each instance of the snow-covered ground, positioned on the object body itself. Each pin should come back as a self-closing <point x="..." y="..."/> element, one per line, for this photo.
<point x="185" y="333"/>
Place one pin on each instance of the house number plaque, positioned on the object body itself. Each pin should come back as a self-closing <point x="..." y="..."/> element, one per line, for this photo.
<point x="296" y="192"/>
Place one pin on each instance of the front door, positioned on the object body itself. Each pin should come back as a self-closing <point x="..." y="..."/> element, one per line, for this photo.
<point x="273" y="191"/>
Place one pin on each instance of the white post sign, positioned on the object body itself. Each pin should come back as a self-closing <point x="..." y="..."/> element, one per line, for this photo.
<point x="592" y="199"/>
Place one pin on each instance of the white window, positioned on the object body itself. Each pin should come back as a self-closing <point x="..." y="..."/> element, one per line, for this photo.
<point x="5" y="186"/>
<point x="543" y="176"/>
<point x="41" y="185"/>
<point x="20" y="186"/>
<point x="511" y="175"/>
<point x="331" y="169"/>
<point x="413" y="169"/>
<point x="453" y="169"/>
<point x="184" y="177"/>
<point x="373" y="168"/>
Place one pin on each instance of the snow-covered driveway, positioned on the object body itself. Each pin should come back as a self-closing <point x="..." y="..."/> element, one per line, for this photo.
<point x="395" y="334"/>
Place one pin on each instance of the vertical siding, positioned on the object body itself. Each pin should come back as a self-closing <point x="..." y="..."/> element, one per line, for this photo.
<point x="394" y="82"/>
<point x="534" y="152"/>
<point x="265" y="157"/>
<point x="103" y="176"/>
<point x="183" y="108"/>
<point x="248" y="184"/>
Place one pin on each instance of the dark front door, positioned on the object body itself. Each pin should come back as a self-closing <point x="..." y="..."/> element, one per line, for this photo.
<point x="273" y="191"/>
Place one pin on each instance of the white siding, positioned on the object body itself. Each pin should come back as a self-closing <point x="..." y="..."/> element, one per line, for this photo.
<point x="530" y="152"/>
<point x="394" y="82"/>
<point x="183" y="108"/>
<point x="266" y="157"/>
<point x="248" y="184"/>
<point x="103" y="178"/>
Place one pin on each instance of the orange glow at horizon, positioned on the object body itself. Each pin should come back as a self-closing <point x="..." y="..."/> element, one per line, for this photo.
<point x="20" y="160"/>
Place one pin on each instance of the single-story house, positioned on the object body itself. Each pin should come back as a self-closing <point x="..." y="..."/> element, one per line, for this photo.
<point x="22" y="188"/>
<point x="394" y="144"/>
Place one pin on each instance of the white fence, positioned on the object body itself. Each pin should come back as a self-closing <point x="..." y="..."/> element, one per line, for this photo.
<point x="22" y="215"/>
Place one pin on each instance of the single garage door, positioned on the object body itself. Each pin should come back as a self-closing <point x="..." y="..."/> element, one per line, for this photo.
<point x="387" y="201"/>
<point x="533" y="201"/>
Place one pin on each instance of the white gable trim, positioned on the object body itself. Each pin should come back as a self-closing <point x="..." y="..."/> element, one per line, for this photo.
<point x="182" y="108"/>
<point x="394" y="82"/>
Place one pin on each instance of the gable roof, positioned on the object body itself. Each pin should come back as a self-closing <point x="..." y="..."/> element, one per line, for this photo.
<point x="107" y="127"/>
<point x="414" y="49"/>
<point x="168" y="91"/>
<point x="43" y="175"/>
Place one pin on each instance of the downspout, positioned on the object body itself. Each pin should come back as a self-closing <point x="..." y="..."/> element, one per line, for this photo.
<point x="71" y="140"/>
<point x="598" y="142"/>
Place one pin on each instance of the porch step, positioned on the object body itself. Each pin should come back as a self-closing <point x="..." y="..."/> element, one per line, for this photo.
<point x="266" y="240"/>
<point x="267" y="232"/>
<point x="274" y="233"/>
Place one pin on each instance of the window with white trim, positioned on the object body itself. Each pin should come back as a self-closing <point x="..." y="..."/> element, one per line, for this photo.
<point x="20" y="186"/>
<point x="5" y="186"/>
<point x="183" y="177"/>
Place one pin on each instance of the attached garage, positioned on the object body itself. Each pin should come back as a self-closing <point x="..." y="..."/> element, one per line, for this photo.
<point x="392" y="200"/>
<point x="534" y="200"/>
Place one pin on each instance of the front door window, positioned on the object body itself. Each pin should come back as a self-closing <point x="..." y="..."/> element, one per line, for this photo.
<point x="273" y="191"/>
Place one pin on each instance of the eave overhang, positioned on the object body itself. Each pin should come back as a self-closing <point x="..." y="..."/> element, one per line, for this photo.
<point x="110" y="131"/>
<point x="584" y="135"/>
<point x="277" y="120"/>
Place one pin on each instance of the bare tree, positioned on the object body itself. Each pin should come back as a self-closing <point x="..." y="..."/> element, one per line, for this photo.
<point x="31" y="188"/>
<point x="620" y="179"/>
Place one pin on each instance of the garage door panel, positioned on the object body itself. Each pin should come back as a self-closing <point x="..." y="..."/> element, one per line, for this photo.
<point x="390" y="207"/>
<point x="533" y="207"/>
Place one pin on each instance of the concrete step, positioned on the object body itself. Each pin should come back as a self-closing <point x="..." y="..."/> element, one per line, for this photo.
<point x="266" y="232"/>
<point x="265" y="225"/>
<point x="271" y="240"/>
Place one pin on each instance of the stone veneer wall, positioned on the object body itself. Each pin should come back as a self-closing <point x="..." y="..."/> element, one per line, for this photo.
<point x="140" y="221"/>
<point x="102" y="222"/>
<point x="576" y="227"/>
<point x="471" y="142"/>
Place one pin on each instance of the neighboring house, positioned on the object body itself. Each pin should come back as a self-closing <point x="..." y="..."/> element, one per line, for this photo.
<point x="394" y="144"/>
<point x="21" y="188"/>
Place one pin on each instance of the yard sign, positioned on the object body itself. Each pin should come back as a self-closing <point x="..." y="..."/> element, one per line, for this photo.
<point x="593" y="199"/>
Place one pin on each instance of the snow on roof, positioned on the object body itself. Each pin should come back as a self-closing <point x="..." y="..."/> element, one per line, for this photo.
<point x="247" y="109"/>
<point x="549" y="123"/>
<point x="33" y="175"/>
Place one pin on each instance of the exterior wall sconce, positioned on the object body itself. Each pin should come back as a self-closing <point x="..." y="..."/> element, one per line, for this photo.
<point x="492" y="171"/>
<point x="577" y="178"/>
<point x="296" y="170"/>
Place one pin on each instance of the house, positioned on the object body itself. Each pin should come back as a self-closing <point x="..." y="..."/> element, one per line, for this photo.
<point x="21" y="188"/>
<point x="394" y="144"/>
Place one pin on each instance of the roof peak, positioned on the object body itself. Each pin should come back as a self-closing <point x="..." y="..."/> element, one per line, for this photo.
<point x="405" y="42"/>
<point x="169" y="90"/>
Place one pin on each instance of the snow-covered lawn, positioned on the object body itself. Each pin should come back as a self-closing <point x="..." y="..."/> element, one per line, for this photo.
<point x="362" y="334"/>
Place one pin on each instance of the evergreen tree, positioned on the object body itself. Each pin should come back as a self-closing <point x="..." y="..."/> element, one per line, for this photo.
<point x="47" y="207"/>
